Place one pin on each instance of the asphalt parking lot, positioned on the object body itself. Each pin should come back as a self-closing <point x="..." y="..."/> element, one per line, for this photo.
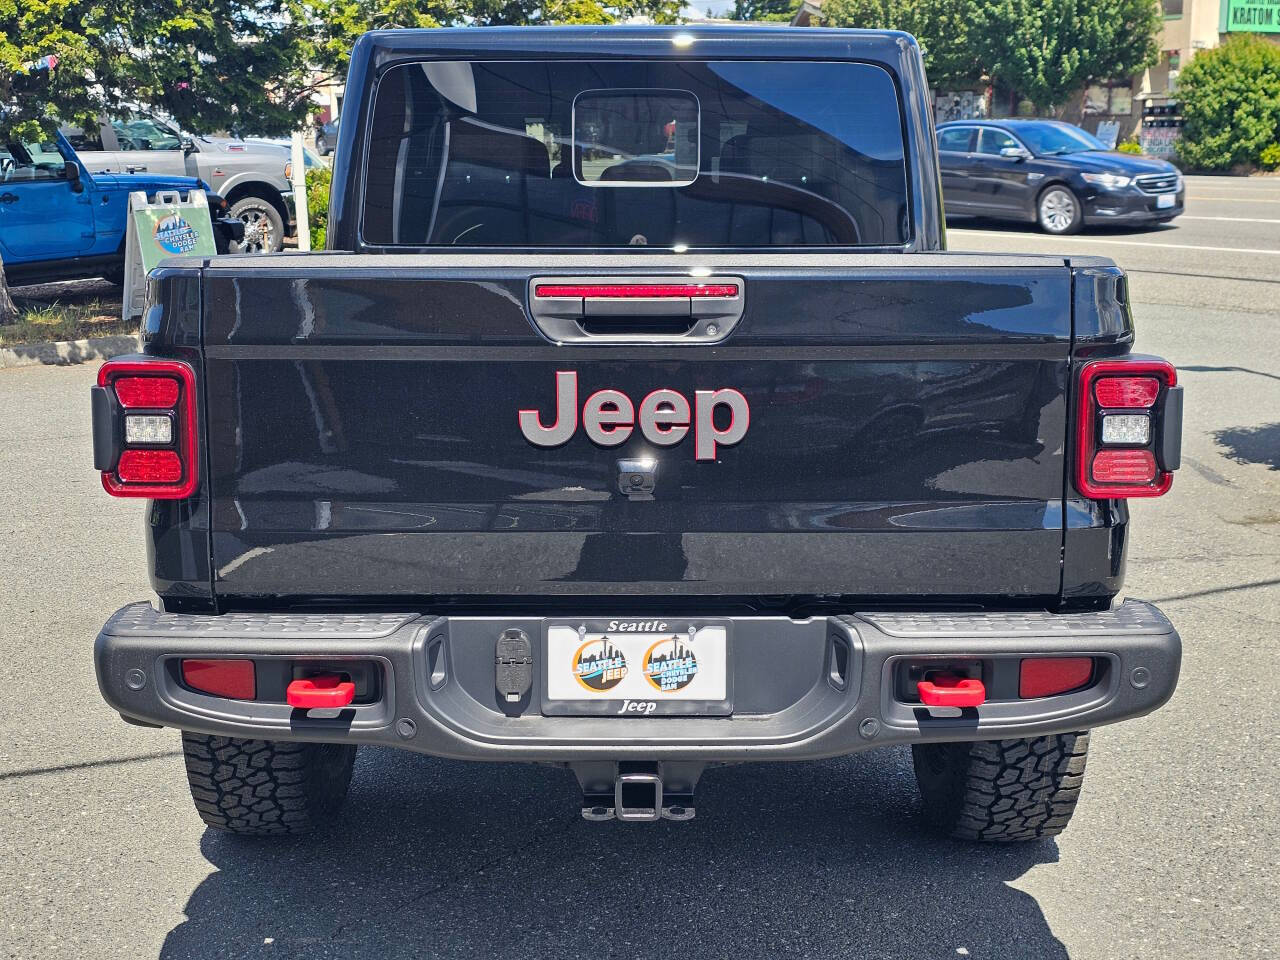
<point x="1172" y="852"/>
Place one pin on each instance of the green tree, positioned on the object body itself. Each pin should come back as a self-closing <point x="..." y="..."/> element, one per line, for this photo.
<point x="210" y="64"/>
<point x="941" y="26"/>
<point x="334" y="25"/>
<point x="1041" y="50"/>
<point x="772" y="11"/>
<point x="1230" y="99"/>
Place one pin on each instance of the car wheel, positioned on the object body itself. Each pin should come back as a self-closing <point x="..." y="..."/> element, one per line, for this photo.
<point x="322" y="146"/>
<point x="263" y="226"/>
<point x="1058" y="211"/>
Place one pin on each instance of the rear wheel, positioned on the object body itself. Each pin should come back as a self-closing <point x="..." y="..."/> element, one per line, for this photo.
<point x="263" y="787"/>
<point x="1058" y="211"/>
<point x="1002" y="790"/>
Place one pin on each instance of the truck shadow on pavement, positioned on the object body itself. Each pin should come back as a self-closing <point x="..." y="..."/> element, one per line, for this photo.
<point x="445" y="859"/>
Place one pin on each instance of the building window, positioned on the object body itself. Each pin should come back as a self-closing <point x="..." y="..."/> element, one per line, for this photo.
<point x="1115" y="100"/>
<point x="1172" y="9"/>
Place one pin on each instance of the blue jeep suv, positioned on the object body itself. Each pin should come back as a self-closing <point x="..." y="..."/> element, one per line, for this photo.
<point x="59" y="222"/>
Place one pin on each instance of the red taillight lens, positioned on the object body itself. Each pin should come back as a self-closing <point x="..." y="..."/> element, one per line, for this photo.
<point x="149" y="466"/>
<point x="1131" y="456"/>
<point x="149" y="392"/>
<point x="222" y="678"/>
<point x="1129" y="392"/>
<point x="625" y="291"/>
<point x="1124" y="466"/>
<point x="1047" y="676"/>
<point x="162" y="464"/>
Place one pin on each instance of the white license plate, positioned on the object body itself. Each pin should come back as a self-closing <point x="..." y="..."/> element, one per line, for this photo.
<point x="639" y="668"/>
<point x="1166" y="200"/>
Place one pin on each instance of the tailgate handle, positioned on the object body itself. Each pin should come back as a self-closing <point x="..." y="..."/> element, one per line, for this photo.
<point x="639" y="310"/>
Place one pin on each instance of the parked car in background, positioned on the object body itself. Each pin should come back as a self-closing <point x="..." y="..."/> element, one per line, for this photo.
<point x="1051" y="173"/>
<point x="250" y="176"/>
<point x="311" y="159"/>
<point x="327" y="137"/>
<point x="58" y="221"/>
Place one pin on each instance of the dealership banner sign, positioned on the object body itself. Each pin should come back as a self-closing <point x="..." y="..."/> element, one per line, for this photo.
<point x="1252" y="16"/>
<point x="158" y="229"/>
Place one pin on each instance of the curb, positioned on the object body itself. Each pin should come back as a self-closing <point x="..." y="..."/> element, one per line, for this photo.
<point x="67" y="352"/>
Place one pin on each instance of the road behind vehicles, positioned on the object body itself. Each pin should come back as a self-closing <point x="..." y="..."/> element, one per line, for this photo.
<point x="60" y="222"/>
<point x="700" y="449"/>
<point x="1053" y="174"/>
<point x="251" y="176"/>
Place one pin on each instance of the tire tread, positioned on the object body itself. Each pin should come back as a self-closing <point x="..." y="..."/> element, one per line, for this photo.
<point x="260" y="787"/>
<point x="1006" y="791"/>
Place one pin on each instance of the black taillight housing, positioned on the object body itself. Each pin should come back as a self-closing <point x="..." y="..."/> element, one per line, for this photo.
<point x="144" y="428"/>
<point x="1128" y="428"/>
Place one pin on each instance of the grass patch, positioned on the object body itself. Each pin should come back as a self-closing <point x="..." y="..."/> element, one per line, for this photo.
<point x="40" y="322"/>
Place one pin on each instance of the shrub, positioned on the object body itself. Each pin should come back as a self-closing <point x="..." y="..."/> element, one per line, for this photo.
<point x="1129" y="146"/>
<point x="1230" y="99"/>
<point x="1270" y="156"/>
<point x="318" y="181"/>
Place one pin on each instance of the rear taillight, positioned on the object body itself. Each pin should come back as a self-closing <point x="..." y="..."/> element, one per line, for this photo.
<point x="145" y="428"/>
<point x="1129" y="428"/>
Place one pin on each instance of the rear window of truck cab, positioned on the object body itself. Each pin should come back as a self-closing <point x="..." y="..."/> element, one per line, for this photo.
<point x="636" y="153"/>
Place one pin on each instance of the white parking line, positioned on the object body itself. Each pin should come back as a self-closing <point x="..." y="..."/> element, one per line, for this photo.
<point x="1114" y="243"/>
<point x="1229" y="219"/>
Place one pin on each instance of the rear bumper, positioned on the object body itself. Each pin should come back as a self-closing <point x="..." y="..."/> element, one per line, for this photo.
<point x="437" y="693"/>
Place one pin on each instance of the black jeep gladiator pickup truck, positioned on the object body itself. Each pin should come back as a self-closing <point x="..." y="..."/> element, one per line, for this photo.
<point x="637" y="421"/>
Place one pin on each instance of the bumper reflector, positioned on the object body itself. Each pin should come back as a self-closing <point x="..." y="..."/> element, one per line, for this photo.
<point x="222" y="678"/>
<point x="1046" y="676"/>
<point x="948" y="690"/>
<point x="326" y="690"/>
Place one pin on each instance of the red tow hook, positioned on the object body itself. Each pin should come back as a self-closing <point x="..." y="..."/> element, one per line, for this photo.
<point x="326" y="690"/>
<point x="948" y="690"/>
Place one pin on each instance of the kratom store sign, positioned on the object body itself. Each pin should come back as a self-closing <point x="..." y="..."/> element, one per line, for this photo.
<point x="1251" y="16"/>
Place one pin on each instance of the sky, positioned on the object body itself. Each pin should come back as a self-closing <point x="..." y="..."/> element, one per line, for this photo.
<point x="698" y="8"/>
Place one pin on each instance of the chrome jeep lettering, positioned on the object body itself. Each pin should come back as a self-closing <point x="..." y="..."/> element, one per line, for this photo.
<point x="609" y="417"/>
<point x="566" y="422"/>
<point x="664" y="417"/>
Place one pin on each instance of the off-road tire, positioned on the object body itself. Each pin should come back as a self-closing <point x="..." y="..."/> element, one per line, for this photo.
<point x="264" y="787"/>
<point x="1006" y="791"/>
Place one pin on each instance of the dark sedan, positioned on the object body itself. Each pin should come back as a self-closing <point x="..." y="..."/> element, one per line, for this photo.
<point x="1053" y="174"/>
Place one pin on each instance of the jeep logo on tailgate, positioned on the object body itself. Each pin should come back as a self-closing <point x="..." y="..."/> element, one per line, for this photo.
<point x="609" y="417"/>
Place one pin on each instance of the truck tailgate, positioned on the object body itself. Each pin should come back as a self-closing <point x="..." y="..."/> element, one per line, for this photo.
<point x="906" y="434"/>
